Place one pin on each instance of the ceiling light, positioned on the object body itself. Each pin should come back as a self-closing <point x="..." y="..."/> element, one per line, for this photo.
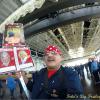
<point x="80" y="49"/>
<point x="77" y="62"/>
<point x="24" y="1"/>
<point x="53" y="0"/>
<point x="98" y="51"/>
<point x="76" y="53"/>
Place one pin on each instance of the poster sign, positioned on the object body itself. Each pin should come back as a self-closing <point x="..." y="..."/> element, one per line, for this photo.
<point x="15" y="55"/>
<point x="23" y="60"/>
<point x="24" y="57"/>
<point x="14" y="35"/>
<point x="7" y="60"/>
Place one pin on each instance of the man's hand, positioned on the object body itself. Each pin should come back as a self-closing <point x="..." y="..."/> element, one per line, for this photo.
<point x="18" y="74"/>
<point x="23" y="74"/>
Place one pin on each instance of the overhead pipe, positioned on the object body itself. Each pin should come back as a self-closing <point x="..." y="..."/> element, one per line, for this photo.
<point x="64" y="18"/>
<point x="52" y="7"/>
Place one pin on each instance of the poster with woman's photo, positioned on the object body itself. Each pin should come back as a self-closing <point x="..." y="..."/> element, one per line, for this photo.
<point x="24" y="57"/>
<point x="14" y="35"/>
<point x="7" y="60"/>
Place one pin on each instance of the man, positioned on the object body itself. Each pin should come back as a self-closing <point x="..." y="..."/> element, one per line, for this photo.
<point x="55" y="81"/>
<point x="1" y="89"/>
<point x="94" y="69"/>
<point x="20" y="87"/>
<point x="11" y="84"/>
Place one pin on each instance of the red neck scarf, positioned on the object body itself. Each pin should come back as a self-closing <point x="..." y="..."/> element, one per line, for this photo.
<point x="51" y="72"/>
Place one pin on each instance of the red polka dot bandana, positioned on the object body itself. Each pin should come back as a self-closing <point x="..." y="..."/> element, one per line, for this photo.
<point x="53" y="49"/>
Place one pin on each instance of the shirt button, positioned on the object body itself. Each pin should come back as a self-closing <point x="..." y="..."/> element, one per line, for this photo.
<point x="53" y="81"/>
<point x="42" y="84"/>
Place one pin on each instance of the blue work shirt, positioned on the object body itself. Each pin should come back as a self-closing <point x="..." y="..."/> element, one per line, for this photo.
<point x="11" y="84"/>
<point x="63" y="83"/>
<point x="94" y="66"/>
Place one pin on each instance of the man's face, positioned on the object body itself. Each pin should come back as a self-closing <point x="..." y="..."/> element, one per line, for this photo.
<point x="53" y="60"/>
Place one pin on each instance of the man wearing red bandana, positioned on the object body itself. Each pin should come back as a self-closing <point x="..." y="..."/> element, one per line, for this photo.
<point x="53" y="57"/>
<point x="55" y="81"/>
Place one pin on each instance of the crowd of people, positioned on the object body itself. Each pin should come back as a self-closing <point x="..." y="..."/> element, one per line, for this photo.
<point x="92" y="69"/>
<point x="94" y="66"/>
<point x="10" y="83"/>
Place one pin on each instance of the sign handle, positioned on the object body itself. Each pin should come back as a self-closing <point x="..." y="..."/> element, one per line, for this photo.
<point x="21" y="78"/>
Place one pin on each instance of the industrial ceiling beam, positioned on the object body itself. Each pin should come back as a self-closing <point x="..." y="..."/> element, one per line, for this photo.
<point x="95" y="36"/>
<point x="52" y="7"/>
<point x="77" y="32"/>
<point x="63" y="36"/>
<point x="74" y="35"/>
<point x="64" y="18"/>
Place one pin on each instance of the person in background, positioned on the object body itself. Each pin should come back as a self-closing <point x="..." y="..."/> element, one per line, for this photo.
<point x="54" y="81"/>
<point x="94" y="70"/>
<point x="1" y="89"/>
<point x="99" y="65"/>
<point x="11" y="84"/>
<point x="20" y="87"/>
<point x="81" y="71"/>
<point x="89" y="65"/>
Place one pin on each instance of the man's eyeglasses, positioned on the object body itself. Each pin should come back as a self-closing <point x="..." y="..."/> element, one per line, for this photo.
<point x="51" y="52"/>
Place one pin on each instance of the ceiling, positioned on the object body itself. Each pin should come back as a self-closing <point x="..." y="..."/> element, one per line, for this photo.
<point x="8" y="7"/>
<point x="77" y="38"/>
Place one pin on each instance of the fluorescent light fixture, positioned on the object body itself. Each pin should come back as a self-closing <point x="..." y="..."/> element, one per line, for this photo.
<point x="93" y="53"/>
<point x="76" y="53"/>
<point x="98" y="51"/>
<point x="77" y="62"/>
<point x="81" y="49"/>
<point x="24" y="1"/>
<point x="53" y="0"/>
<point x="80" y="52"/>
<point x="72" y="53"/>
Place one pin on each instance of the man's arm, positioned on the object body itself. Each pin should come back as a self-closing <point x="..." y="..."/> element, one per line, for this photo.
<point x="74" y="83"/>
<point x="22" y="73"/>
<point x="28" y="83"/>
